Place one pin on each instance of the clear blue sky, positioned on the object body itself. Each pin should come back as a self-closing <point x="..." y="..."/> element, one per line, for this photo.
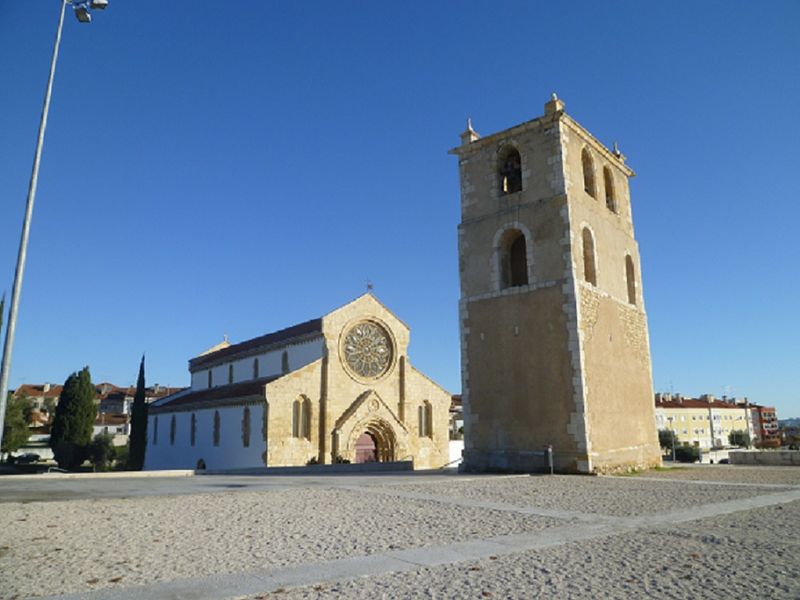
<point x="238" y="167"/>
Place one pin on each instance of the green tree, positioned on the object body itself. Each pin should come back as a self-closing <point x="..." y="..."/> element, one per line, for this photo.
<point x="15" y="427"/>
<point x="71" y="433"/>
<point x="687" y="454"/>
<point x="101" y="451"/>
<point x="666" y="438"/>
<point x="138" y="424"/>
<point x="739" y="437"/>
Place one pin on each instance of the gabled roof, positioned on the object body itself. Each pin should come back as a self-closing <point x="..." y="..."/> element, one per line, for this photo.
<point x="280" y="337"/>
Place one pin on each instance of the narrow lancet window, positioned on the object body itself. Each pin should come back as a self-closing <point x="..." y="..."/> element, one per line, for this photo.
<point x="589" y="267"/>
<point x="217" y="427"/>
<point x="246" y="427"/>
<point x="608" y="180"/>
<point x="588" y="173"/>
<point x="630" y="276"/>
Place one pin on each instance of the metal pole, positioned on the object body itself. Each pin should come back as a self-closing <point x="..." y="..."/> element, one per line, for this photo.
<point x="26" y="225"/>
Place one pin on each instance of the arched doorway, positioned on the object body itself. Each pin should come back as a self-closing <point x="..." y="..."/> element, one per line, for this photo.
<point x="366" y="448"/>
<point x="373" y="441"/>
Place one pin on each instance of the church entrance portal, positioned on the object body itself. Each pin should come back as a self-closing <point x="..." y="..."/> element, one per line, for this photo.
<point x="366" y="448"/>
<point x="375" y="442"/>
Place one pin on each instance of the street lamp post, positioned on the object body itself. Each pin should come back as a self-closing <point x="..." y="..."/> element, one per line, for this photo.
<point x="672" y="429"/>
<point x="81" y="8"/>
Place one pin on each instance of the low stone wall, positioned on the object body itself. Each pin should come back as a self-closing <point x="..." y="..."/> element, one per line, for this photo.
<point x="336" y="469"/>
<point x="768" y="457"/>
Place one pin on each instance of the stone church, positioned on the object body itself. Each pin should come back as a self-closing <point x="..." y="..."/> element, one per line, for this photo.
<point x="336" y="388"/>
<point x="554" y="340"/>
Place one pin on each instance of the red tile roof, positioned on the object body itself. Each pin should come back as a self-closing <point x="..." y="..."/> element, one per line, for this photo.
<point x="695" y="403"/>
<point x="33" y="390"/>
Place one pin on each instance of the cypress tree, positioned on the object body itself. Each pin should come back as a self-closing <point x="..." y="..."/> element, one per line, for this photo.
<point x="138" y="424"/>
<point x="71" y="433"/>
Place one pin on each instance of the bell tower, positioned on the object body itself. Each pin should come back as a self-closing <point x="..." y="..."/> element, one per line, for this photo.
<point x="554" y="341"/>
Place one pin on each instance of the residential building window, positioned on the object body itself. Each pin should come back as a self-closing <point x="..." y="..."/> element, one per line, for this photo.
<point x="246" y="427"/>
<point x="510" y="171"/>
<point x="589" y="268"/>
<point x="172" y="426"/>
<point x="216" y="428"/>
<point x="255" y="368"/>
<point x="193" y="429"/>
<point x="588" y="173"/>
<point x="608" y="180"/>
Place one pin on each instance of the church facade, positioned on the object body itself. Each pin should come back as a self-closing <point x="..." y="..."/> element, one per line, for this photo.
<point x="335" y="389"/>
<point x="554" y="339"/>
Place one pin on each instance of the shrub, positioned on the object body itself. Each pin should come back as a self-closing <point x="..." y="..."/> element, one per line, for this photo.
<point x="687" y="454"/>
<point x="101" y="451"/>
<point x="739" y="437"/>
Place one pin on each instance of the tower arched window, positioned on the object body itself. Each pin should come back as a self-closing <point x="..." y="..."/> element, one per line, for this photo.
<point x="246" y="427"/>
<point x="589" y="267"/>
<point x="588" y="173"/>
<point x="514" y="259"/>
<point x="510" y="171"/>
<point x="630" y="276"/>
<point x="255" y="368"/>
<point x="217" y="427"/>
<point x="608" y="181"/>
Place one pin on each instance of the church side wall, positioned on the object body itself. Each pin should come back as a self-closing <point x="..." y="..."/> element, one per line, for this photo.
<point x="429" y="452"/>
<point x="269" y="363"/>
<point x="229" y="454"/>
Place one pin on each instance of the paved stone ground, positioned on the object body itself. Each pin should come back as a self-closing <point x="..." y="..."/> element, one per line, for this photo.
<point x="700" y="532"/>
